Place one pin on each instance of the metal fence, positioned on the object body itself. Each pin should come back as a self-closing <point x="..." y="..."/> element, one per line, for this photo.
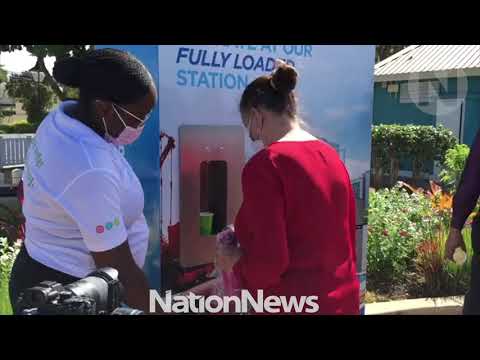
<point x="13" y="149"/>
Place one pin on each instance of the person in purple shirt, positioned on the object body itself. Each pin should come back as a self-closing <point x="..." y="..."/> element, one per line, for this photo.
<point x="464" y="203"/>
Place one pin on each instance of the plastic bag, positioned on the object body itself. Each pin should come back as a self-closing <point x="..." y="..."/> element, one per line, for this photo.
<point x="228" y="284"/>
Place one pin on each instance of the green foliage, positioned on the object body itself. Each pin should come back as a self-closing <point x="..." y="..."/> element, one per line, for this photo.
<point x="385" y="141"/>
<point x="20" y="127"/>
<point x="3" y="75"/>
<point x="37" y="97"/>
<point x="5" y="129"/>
<point x="71" y="93"/>
<point x="7" y="113"/>
<point x="57" y="51"/>
<point x="7" y="257"/>
<point x="420" y="141"/>
<point x="406" y="242"/>
<point x="436" y="276"/>
<point x="384" y="51"/>
<point x="422" y="144"/>
<point x="398" y="223"/>
<point x="11" y="222"/>
<point x="48" y="50"/>
<point x="453" y="166"/>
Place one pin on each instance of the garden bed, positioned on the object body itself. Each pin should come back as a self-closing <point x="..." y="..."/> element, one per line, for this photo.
<point x="408" y="229"/>
<point x="7" y="257"/>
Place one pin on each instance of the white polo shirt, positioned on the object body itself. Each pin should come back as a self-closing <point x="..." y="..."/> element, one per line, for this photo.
<point x="81" y="196"/>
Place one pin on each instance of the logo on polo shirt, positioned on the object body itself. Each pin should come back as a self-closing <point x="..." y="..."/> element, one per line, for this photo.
<point x="100" y="229"/>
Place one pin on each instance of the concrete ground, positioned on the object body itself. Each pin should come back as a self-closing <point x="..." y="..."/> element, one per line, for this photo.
<point x="438" y="306"/>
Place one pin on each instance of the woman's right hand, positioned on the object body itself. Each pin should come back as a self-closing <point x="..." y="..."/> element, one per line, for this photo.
<point x="455" y="240"/>
<point x="226" y="238"/>
<point x="131" y="276"/>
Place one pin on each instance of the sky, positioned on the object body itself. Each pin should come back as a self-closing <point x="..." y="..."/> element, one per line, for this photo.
<point x="19" y="61"/>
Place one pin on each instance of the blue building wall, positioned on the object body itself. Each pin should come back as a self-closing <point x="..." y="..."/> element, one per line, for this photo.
<point x="144" y="157"/>
<point x="387" y="109"/>
<point x="472" y="110"/>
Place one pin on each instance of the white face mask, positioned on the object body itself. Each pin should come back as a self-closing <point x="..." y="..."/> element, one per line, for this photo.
<point x="256" y="145"/>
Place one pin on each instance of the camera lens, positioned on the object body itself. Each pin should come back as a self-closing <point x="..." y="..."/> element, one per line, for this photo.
<point x="38" y="297"/>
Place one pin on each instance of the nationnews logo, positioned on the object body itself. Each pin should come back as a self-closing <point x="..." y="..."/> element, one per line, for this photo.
<point x="192" y="303"/>
<point x="109" y="226"/>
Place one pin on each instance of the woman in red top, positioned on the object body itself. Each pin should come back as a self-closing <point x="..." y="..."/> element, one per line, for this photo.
<point x="296" y="226"/>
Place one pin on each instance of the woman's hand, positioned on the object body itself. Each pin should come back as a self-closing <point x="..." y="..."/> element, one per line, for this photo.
<point x="130" y="275"/>
<point x="455" y="240"/>
<point x="226" y="237"/>
<point x="227" y="257"/>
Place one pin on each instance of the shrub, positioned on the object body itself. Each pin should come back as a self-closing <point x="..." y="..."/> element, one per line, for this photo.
<point x="24" y="128"/>
<point x="438" y="277"/>
<point x="398" y="223"/>
<point x="416" y="257"/>
<point x="422" y="144"/>
<point x="19" y="128"/>
<point x="7" y="113"/>
<point x="11" y="224"/>
<point x="453" y="166"/>
<point x="36" y="97"/>
<point x="7" y="258"/>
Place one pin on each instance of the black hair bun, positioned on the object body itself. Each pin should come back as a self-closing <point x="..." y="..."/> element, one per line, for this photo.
<point x="68" y="71"/>
<point x="284" y="78"/>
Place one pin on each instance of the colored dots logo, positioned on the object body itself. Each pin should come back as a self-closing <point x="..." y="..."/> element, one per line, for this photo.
<point x="109" y="226"/>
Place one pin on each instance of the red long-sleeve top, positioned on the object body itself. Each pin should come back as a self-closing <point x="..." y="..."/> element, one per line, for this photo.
<point x="296" y="226"/>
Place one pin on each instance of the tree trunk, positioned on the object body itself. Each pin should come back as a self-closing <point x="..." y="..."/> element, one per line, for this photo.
<point x="51" y="81"/>
<point x="416" y="172"/>
<point x="377" y="172"/>
<point x="394" y="170"/>
<point x="378" y="177"/>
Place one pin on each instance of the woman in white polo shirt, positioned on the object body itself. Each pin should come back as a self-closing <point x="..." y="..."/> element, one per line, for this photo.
<point x="83" y="202"/>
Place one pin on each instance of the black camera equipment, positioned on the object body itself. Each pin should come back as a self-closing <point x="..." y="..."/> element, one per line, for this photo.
<point x="100" y="293"/>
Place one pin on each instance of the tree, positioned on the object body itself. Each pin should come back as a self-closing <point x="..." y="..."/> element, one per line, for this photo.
<point x="3" y="75"/>
<point x="384" y="51"/>
<point x="57" y="51"/>
<point x="37" y="97"/>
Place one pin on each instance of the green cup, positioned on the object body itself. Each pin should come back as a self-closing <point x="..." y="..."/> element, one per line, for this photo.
<point x="206" y="222"/>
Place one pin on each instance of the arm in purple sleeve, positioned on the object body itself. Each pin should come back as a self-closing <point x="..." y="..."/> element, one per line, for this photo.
<point x="468" y="190"/>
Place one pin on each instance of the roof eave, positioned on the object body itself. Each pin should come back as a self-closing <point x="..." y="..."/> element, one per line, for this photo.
<point x="428" y="75"/>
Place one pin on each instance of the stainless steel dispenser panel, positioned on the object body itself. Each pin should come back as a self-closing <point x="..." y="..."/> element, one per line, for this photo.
<point x="199" y="144"/>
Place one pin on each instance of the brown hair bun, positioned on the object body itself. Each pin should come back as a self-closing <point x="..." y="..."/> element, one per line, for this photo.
<point x="284" y="77"/>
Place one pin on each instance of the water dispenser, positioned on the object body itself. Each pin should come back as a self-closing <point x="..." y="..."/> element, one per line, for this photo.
<point x="211" y="162"/>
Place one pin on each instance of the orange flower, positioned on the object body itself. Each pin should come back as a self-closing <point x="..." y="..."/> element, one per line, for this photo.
<point x="446" y="201"/>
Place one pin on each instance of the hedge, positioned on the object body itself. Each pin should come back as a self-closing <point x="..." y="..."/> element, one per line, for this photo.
<point x="18" y="128"/>
<point x="421" y="143"/>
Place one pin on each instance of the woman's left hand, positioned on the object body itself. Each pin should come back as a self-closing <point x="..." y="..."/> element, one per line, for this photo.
<point x="227" y="257"/>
